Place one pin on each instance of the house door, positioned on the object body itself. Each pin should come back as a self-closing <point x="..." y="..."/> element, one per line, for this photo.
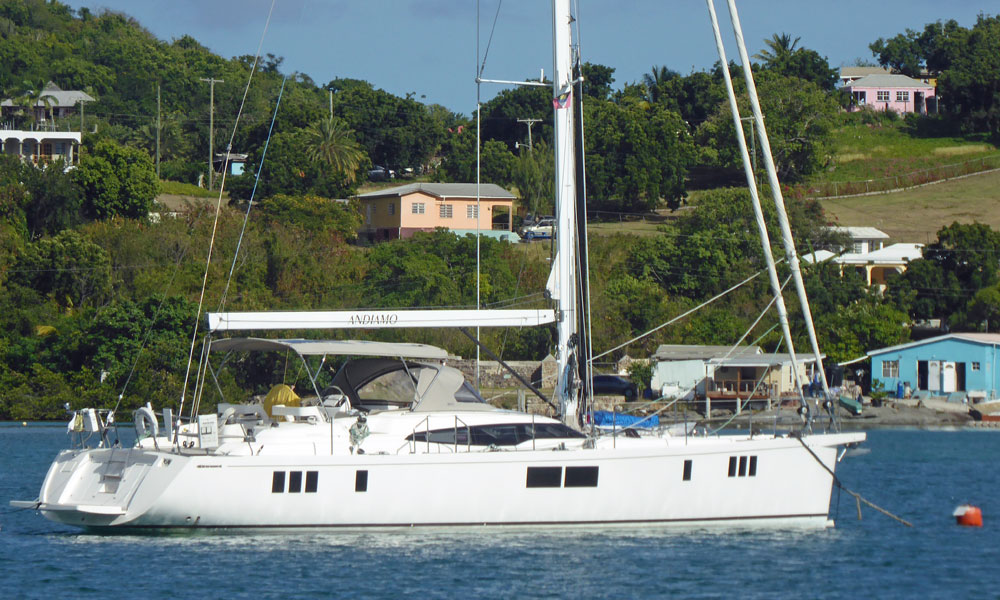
<point x="921" y="374"/>
<point x="960" y="377"/>
<point x="918" y="103"/>
<point x="934" y="375"/>
<point x="948" y="379"/>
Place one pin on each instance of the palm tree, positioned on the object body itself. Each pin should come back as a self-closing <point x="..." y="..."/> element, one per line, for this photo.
<point x="29" y="95"/>
<point x="332" y="143"/>
<point x="778" y="47"/>
<point x="654" y="80"/>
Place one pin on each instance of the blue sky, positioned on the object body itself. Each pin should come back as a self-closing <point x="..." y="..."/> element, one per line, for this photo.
<point x="429" y="47"/>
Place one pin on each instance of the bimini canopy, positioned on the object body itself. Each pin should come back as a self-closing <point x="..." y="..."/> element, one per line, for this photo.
<point x="330" y="348"/>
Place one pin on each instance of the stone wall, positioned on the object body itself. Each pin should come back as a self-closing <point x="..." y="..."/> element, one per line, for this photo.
<point x="493" y="375"/>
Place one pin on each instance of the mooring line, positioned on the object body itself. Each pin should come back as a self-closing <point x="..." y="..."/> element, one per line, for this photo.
<point x="857" y="497"/>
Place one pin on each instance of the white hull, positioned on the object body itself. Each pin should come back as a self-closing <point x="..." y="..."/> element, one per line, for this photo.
<point x="638" y="481"/>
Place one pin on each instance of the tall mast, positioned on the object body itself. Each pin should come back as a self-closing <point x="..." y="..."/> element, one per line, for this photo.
<point x="565" y="196"/>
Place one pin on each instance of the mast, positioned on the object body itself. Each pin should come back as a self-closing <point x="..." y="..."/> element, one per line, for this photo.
<point x="565" y="196"/>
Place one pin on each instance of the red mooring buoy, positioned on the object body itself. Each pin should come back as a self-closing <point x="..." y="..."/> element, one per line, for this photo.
<point x="968" y="516"/>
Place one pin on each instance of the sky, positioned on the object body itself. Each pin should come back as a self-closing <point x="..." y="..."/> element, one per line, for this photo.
<point x="429" y="47"/>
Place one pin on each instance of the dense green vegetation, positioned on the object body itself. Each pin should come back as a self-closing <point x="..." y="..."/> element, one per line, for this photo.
<point x="96" y="300"/>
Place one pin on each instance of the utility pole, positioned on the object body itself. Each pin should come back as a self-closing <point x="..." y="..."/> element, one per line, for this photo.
<point x="529" y="123"/>
<point x="331" y="103"/>
<point x="157" y="130"/>
<point x="211" y="125"/>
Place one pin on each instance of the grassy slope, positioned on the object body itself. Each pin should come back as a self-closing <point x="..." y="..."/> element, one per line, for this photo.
<point x="917" y="214"/>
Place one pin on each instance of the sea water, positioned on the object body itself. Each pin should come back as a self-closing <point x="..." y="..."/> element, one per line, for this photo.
<point x="919" y="475"/>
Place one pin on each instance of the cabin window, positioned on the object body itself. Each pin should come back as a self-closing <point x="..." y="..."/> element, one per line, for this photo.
<point x="294" y="482"/>
<point x="417" y="208"/>
<point x="472" y="211"/>
<point x="544" y="477"/>
<point x="687" y="471"/>
<point x="890" y="368"/>
<point x="902" y="96"/>
<point x="580" y="477"/>
<point x="361" y="481"/>
<point x="742" y="466"/>
<point x="312" y="481"/>
<point x="882" y="95"/>
<point x="278" y="482"/>
<point x="508" y="434"/>
<point x="446" y="211"/>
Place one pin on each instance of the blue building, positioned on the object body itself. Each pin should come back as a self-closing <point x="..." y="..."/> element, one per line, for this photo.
<point x="957" y="362"/>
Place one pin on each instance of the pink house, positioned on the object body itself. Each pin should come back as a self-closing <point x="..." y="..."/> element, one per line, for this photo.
<point x="891" y="92"/>
<point x="400" y="212"/>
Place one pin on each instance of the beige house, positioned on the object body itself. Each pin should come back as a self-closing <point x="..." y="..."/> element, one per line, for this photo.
<point x="41" y="147"/>
<point x="400" y="212"/>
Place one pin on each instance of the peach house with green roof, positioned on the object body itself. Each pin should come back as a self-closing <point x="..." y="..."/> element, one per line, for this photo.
<point x="399" y="212"/>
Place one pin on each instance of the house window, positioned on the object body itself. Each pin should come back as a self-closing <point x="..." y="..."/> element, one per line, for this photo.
<point x="417" y="208"/>
<point x="472" y="212"/>
<point x="902" y="96"/>
<point x="858" y="248"/>
<point x="369" y="212"/>
<point x="975" y="366"/>
<point x="392" y="208"/>
<point x="882" y="95"/>
<point x="890" y="368"/>
<point x="445" y="211"/>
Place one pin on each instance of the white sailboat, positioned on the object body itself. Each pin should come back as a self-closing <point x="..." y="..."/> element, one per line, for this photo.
<point x="402" y="439"/>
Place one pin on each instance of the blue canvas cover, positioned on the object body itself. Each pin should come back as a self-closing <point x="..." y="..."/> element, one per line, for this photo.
<point x="606" y="418"/>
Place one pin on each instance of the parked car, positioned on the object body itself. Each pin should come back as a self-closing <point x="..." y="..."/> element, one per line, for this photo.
<point x="615" y="385"/>
<point x="380" y="173"/>
<point x="539" y="230"/>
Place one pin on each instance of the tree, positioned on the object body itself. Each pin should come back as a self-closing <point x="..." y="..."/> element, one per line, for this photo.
<point x="67" y="268"/>
<point x="331" y="143"/>
<point x="655" y="80"/>
<point x="54" y="201"/>
<point x="534" y="177"/>
<point x="779" y="47"/>
<point x="637" y="157"/>
<point x="970" y="86"/>
<point x="597" y="80"/>
<point x="116" y="181"/>
<point x="964" y="260"/>
<point x="799" y="117"/>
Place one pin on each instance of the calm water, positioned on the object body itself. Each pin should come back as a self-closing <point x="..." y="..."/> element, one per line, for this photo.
<point x="920" y="475"/>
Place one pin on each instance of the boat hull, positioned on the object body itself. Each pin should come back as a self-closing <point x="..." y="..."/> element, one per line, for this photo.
<point x="759" y="481"/>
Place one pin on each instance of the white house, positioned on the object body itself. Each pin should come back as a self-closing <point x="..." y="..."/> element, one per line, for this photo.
<point x="41" y="147"/>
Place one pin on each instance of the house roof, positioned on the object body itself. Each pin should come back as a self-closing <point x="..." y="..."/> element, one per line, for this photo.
<point x="444" y="191"/>
<point x="862" y="71"/>
<point x="861" y="233"/>
<point x="888" y="81"/>
<point x="818" y="256"/>
<point x="986" y="339"/>
<point x="667" y="352"/>
<point x="891" y="255"/>
<point x="763" y="360"/>
<point x="63" y="98"/>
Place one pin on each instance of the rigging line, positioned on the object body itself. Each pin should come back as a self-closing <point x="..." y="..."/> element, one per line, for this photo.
<point x="857" y="497"/>
<point x="686" y="313"/>
<point x="489" y="42"/>
<point x="149" y="331"/>
<point x="215" y="224"/>
<point x="253" y="193"/>
<point x="751" y="328"/>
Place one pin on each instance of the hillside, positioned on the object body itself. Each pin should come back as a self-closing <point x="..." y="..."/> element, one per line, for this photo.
<point x="915" y="215"/>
